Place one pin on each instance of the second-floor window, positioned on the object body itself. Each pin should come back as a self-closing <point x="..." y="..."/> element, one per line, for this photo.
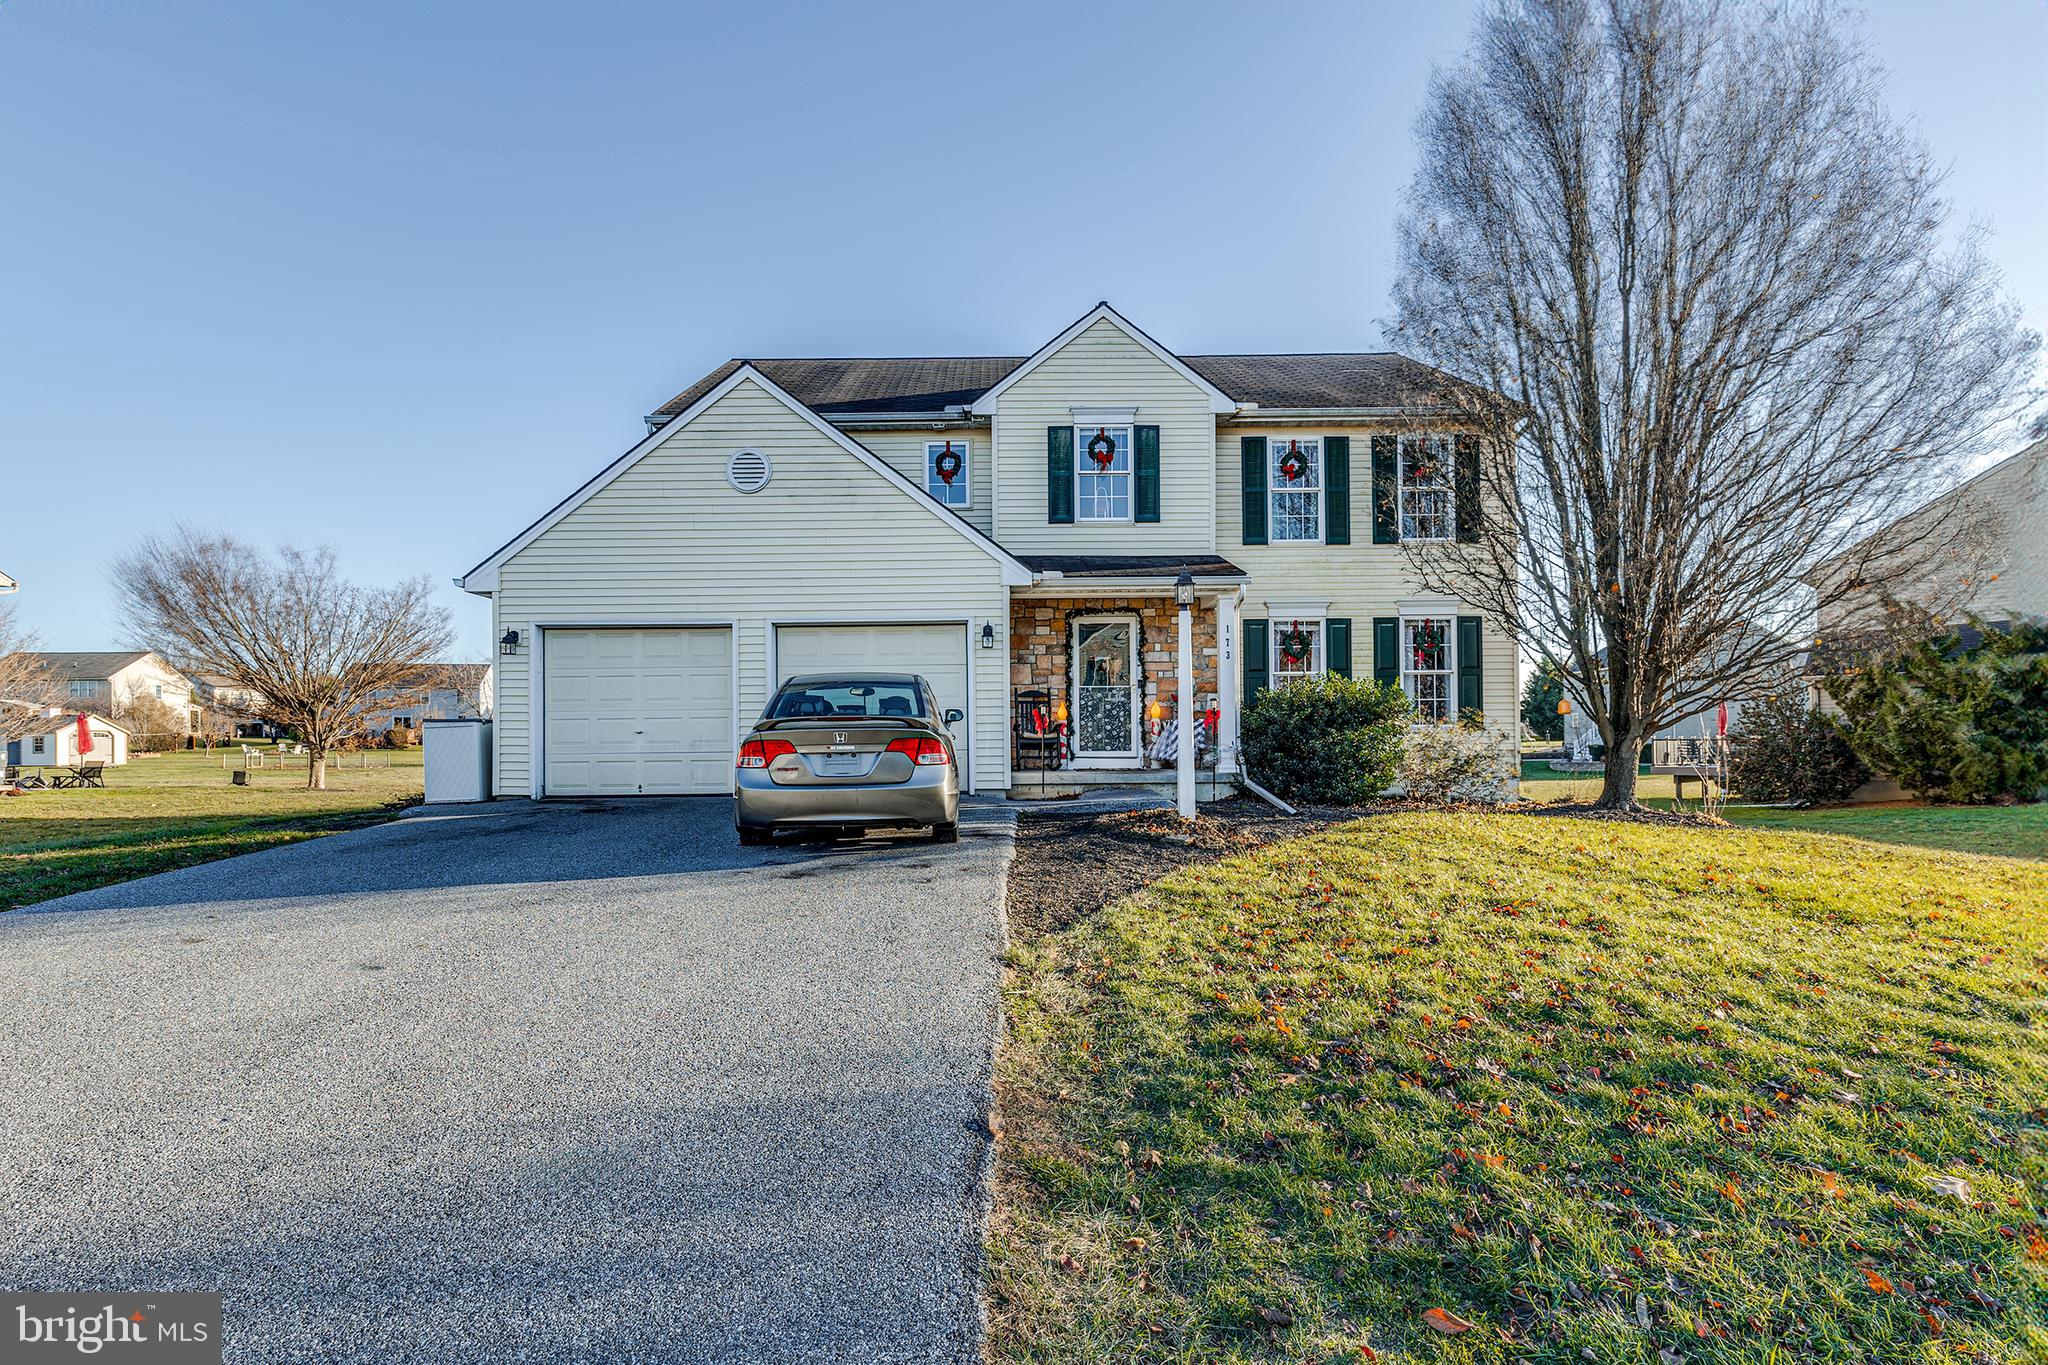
<point x="1102" y="473"/>
<point x="1427" y="674"/>
<point x="1427" y="499"/>
<point x="945" y="472"/>
<point x="1295" y="485"/>
<point x="83" y="689"/>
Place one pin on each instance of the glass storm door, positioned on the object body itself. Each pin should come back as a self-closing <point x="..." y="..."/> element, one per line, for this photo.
<point x="1106" y="691"/>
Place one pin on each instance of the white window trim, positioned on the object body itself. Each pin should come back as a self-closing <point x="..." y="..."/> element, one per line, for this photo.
<point x="1320" y="651"/>
<point x="1274" y="446"/>
<point x="1082" y="467"/>
<point x="1401" y="487"/>
<point x="1449" y="671"/>
<point x="965" y="448"/>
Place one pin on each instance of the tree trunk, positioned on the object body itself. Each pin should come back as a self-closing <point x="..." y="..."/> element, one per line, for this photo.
<point x="1618" y="782"/>
<point x="316" y="768"/>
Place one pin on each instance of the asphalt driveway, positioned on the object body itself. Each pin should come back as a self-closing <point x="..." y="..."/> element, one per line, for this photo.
<point x="538" y="1082"/>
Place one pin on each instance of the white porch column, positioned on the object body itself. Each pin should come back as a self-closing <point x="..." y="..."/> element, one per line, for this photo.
<point x="1227" y="675"/>
<point x="1184" y="751"/>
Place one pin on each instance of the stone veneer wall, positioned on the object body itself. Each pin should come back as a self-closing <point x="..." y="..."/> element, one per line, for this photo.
<point x="1040" y="630"/>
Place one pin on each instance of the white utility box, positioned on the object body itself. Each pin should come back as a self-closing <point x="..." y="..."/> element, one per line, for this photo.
<point x="458" y="759"/>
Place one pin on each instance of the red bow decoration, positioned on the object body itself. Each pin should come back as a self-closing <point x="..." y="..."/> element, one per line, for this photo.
<point x="1291" y="464"/>
<point x="947" y="465"/>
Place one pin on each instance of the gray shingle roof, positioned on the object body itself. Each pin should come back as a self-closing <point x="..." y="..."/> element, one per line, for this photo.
<point x="1333" y="379"/>
<point x="80" y="665"/>
<point x="1131" y="566"/>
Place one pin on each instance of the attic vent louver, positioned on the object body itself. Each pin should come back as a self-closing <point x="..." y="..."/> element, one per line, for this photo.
<point x="748" y="471"/>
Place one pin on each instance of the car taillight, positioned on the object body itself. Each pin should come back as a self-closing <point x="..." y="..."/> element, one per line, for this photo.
<point x="923" y="750"/>
<point x="759" y="753"/>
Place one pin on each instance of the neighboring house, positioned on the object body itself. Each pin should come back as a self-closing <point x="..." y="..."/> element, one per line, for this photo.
<point x="109" y="680"/>
<point x="448" y="692"/>
<point x="241" y="706"/>
<point x="1001" y="525"/>
<point x="54" y="743"/>
<point x="1981" y="549"/>
<point x="7" y="584"/>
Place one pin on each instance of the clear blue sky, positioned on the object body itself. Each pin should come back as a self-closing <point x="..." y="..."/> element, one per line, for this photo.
<point x="397" y="276"/>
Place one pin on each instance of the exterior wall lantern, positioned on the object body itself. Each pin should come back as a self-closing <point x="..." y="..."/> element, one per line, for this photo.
<point x="988" y="635"/>
<point x="508" y="644"/>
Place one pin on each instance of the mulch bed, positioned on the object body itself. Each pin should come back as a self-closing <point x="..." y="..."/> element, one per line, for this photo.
<point x="1069" y="866"/>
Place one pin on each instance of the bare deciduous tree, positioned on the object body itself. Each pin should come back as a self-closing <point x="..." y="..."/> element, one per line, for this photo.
<point x="1713" y="279"/>
<point x="27" y="689"/>
<point x="286" y="627"/>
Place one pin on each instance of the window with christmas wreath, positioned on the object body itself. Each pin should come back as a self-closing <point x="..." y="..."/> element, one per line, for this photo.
<point x="1295" y="488"/>
<point x="1427" y="497"/>
<point x="1297" y="650"/>
<point x="1102" y="473"/>
<point x="945" y="472"/>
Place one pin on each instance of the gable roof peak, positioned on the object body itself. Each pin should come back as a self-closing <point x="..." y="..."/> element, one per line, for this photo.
<point x="1219" y="401"/>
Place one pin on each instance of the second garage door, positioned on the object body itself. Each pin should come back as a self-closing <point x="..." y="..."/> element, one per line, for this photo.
<point x="937" y="652"/>
<point x="637" y="712"/>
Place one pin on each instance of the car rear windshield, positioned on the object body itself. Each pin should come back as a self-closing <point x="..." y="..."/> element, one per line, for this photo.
<point x="852" y="697"/>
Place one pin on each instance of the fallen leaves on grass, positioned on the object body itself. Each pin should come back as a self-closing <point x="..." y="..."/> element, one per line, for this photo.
<point x="1447" y="1322"/>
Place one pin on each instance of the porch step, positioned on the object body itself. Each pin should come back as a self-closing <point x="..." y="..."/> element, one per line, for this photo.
<point x="1066" y="783"/>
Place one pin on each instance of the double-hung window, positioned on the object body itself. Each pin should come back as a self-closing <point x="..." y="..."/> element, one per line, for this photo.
<point x="1426" y="490"/>
<point x="1428" y="674"/>
<point x="1297" y="650"/>
<point x="1102" y="473"/>
<point x="945" y="472"/>
<point x="1295" y="485"/>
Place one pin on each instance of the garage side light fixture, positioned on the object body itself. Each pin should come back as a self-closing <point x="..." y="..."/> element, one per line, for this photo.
<point x="988" y="635"/>
<point x="508" y="644"/>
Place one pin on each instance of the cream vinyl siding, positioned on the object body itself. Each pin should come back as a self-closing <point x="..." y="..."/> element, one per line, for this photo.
<point x="669" y="542"/>
<point x="1104" y="367"/>
<point x="1360" y="581"/>
<point x="904" y="451"/>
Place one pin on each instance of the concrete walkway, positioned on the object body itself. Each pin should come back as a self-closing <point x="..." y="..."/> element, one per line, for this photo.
<point x="520" y="1082"/>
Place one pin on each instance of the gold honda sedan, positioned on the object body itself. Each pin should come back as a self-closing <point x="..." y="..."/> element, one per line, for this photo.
<point x="849" y="751"/>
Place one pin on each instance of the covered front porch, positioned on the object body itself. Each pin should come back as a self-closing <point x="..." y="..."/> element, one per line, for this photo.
<point x="1099" y="675"/>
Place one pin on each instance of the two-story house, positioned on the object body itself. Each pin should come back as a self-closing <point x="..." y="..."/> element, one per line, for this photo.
<point x="1002" y="525"/>
<point x="110" y="682"/>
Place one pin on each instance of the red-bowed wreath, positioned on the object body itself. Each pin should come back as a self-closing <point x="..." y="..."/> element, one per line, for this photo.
<point x="947" y="465"/>
<point x="1102" y="449"/>
<point x="1295" y="645"/>
<point x="1292" y="466"/>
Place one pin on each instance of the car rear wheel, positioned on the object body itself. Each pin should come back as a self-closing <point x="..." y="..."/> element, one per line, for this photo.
<point x="755" y="838"/>
<point x="946" y="834"/>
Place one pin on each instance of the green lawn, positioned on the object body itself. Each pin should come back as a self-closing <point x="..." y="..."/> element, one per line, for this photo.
<point x="2013" y="831"/>
<point x="1601" y="1091"/>
<point x="172" y="810"/>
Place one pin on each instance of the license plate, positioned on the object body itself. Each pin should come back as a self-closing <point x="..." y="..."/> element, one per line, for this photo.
<point x="842" y="765"/>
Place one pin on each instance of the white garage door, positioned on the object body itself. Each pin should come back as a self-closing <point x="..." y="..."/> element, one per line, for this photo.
<point x="937" y="652"/>
<point x="636" y="712"/>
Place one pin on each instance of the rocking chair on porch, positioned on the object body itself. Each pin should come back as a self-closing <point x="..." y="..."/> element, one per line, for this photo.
<point x="1036" y="743"/>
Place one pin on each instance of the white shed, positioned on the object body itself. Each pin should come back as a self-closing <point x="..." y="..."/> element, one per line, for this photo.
<point x="54" y="743"/>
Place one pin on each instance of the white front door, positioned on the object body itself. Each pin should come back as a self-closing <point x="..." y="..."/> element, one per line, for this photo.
<point x="1106" y="702"/>
<point x="636" y="712"/>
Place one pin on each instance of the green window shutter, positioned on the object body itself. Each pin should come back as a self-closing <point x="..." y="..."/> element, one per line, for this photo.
<point x="1386" y="526"/>
<point x="1258" y="670"/>
<point x="1145" y="506"/>
<point x="1059" y="474"/>
<point x="1470" y="668"/>
<point x="1386" y="649"/>
<point x="1252" y="451"/>
<point x="1337" y="646"/>
<point x="1465" y="486"/>
<point x="1337" y="490"/>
